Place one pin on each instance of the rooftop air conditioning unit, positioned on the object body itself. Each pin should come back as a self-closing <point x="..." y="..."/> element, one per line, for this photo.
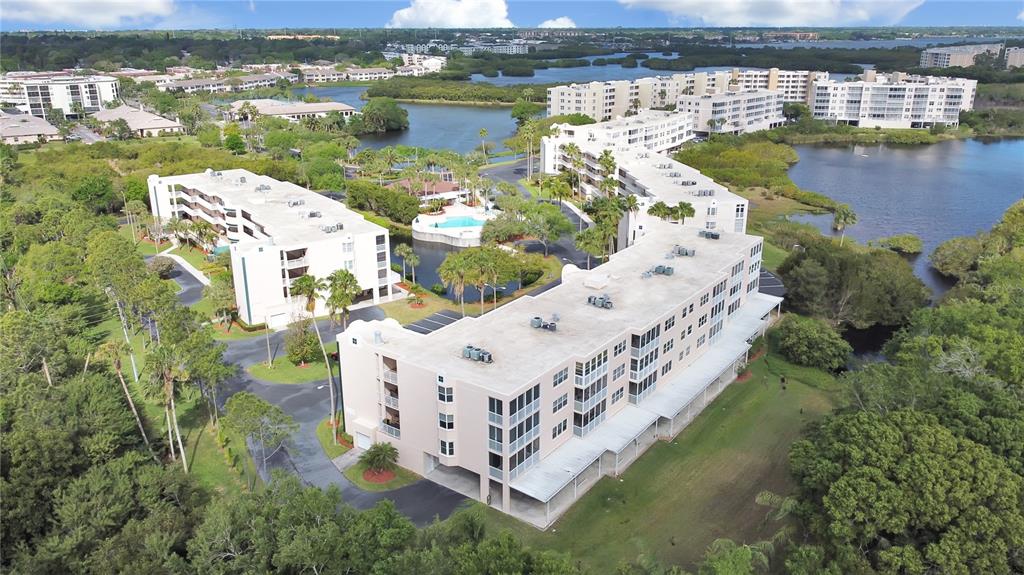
<point x="293" y="203"/>
<point x="688" y="183"/>
<point x="681" y="251"/>
<point x="314" y="214"/>
<point x="602" y="301"/>
<point x="474" y="353"/>
<point x="713" y="235"/>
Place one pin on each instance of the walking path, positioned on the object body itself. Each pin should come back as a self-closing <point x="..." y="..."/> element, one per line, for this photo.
<point x="198" y="275"/>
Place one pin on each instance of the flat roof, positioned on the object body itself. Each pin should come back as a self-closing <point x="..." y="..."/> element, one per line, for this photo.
<point x="269" y="207"/>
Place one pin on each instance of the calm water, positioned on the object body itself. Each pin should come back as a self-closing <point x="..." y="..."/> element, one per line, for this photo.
<point x="431" y="125"/>
<point x="935" y="192"/>
<point x="431" y="255"/>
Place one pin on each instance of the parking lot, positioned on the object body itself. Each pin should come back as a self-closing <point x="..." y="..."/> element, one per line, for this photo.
<point x="434" y="322"/>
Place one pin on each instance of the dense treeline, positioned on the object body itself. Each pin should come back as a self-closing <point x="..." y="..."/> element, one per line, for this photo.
<point x="823" y="59"/>
<point x="922" y="469"/>
<point x="454" y="91"/>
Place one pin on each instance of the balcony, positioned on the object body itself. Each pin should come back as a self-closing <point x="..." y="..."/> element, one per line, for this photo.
<point x="637" y="398"/>
<point x="391" y="400"/>
<point x="638" y="352"/>
<point x="495" y="418"/>
<point x="524" y="466"/>
<point x="390" y="376"/>
<point x="524" y="439"/>
<point x="392" y="430"/>
<point x="582" y="431"/>
<point x="495" y="446"/>
<point x="585" y="380"/>
<point x="585" y="405"/>
<point x="643" y="372"/>
<point x="523" y="413"/>
<point x="495" y="472"/>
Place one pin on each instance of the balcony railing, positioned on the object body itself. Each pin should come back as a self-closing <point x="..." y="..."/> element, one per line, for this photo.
<point x="391" y="400"/>
<point x="523" y="413"/>
<point x="637" y="375"/>
<point x="494" y="446"/>
<point x="524" y="466"/>
<point x="524" y="439"/>
<point x="582" y="431"/>
<point x="584" y="406"/>
<point x="495" y="418"/>
<point x="390" y="376"/>
<point x="296" y="263"/>
<point x="585" y="380"/>
<point x="391" y="430"/>
<point x="642" y="351"/>
<point x="637" y="398"/>
<point x="495" y="472"/>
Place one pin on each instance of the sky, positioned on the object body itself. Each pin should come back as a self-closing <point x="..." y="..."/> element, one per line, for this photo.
<point x="190" y="14"/>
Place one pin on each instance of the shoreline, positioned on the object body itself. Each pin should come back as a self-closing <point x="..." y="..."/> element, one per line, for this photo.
<point x="472" y="103"/>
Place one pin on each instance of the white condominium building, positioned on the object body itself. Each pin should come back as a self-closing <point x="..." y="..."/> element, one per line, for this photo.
<point x="231" y="84"/>
<point x="894" y="100"/>
<point x="35" y="93"/>
<point x="1014" y="57"/>
<point x="734" y="111"/>
<point x="527" y="406"/>
<point x="320" y="74"/>
<point x="961" y="56"/>
<point x="365" y="74"/>
<point x="292" y="111"/>
<point x="277" y="231"/>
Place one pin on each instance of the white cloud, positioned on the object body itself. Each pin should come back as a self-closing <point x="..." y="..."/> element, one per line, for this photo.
<point x="1021" y="15"/>
<point x="560" y="22"/>
<point x="89" y="13"/>
<point x="452" y="14"/>
<point x="780" y="12"/>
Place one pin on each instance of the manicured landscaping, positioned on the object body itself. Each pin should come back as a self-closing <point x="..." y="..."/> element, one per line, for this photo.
<point x="194" y="256"/>
<point x="323" y="433"/>
<point x="284" y="371"/>
<point x="145" y="246"/>
<point x="402" y="478"/>
<point x="681" y="495"/>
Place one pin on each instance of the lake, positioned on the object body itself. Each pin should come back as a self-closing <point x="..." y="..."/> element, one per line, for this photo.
<point x="431" y="125"/>
<point x="935" y="192"/>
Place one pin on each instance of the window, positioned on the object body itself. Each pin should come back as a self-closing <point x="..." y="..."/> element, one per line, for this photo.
<point x="686" y="332"/>
<point x="560" y="428"/>
<point x="618" y="394"/>
<point x="445" y="394"/>
<point x="700" y="340"/>
<point x="527" y="398"/>
<point x="735" y="289"/>
<point x="494" y="406"/>
<point x="719" y="289"/>
<point x="447" y="448"/>
<point x="560" y="377"/>
<point x="620" y="347"/>
<point x="446" y="420"/>
<point x="668" y="346"/>
<point x="686" y="311"/>
<point x="715" y="311"/>
<point x="559" y="403"/>
<point x="619" y="371"/>
<point x="737" y="269"/>
<point x="670" y="322"/>
<point x="704" y="299"/>
<point x="702" y="321"/>
<point x="494" y="434"/>
<point x="666" y="368"/>
<point x="733" y="307"/>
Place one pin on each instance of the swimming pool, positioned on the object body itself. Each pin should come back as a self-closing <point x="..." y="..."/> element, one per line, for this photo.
<point x="459" y="222"/>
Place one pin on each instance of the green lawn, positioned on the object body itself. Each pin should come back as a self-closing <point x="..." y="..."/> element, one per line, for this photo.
<point x="144" y="247"/>
<point x="773" y="256"/>
<point x="402" y="478"/>
<point x="680" y="496"/>
<point x="285" y="371"/>
<point x="192" y="255"/>
<point x="323" y="433"/>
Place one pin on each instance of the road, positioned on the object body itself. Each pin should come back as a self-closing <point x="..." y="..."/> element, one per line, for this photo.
<point x="86" y="135"/>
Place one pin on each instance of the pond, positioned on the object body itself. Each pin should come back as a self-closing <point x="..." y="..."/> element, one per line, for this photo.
<point x="431" y="255"/>
<point x="935" y="192"/>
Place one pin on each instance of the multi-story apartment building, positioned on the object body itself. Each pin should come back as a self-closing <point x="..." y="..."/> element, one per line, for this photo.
<point x="896" y="100"/>
<point x="231" y="84"/>
<point x="527" y="406"/>
<point x="276" y="232"/>
<point x="365" y="74"/>
<point x="35" y="93"/>
<point x="795" y="85"/>
<point x="291" y="111"/>
<point x="734" y="111"/>
<point x="320" y="74"/>
<point x="960" y="56"/>
<point x="1014" y="57"/>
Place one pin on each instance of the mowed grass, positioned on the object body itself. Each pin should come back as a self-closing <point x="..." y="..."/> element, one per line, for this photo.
<point x="323" y="433"/>
<point x="680" y="496"/>
<point x="284" y="371"/>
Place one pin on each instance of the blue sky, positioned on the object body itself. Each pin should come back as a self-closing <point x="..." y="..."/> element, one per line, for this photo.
<point x="130" y="14"/>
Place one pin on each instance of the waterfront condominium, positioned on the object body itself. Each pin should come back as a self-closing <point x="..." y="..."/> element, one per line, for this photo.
<point x="36" y="93"/>
<point x="956" y="56"/>
<point x="527" y="406"/>
<point x="734" y="110"/>
<point x="896" y="100"/>
<point x="276" y="232"/>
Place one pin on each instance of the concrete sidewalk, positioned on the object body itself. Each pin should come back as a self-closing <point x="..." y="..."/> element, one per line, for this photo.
<point x="191" y="269"/>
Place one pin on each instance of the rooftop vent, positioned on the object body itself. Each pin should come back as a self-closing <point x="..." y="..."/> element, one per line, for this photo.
<point x="709" y="234"/>
<point x="314" y="214"/>
<point x="474" y="353"/>
<point x="681" y="251"/>
<point x="603" y="301"/>
<point x="539" y="323"/>
<point x="293" y="203"/>
<point x="330" y="229"/>
<point x="705" y="193"/>
<point x="241" y="180"/>
<point x="262" y="188"/>
<point x="688" y="183"/>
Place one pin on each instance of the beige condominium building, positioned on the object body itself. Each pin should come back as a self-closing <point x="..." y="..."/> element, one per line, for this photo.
<point x="734" y="110"/>
<point x="527" y="406"/>
<point x="292" y="111"/>
<point x="1014" y="57"/>
<point x="896" y="100"/>
<point x="956" y="56"/>
<point x="277" y="232"/>
<point x="35" y="93"/>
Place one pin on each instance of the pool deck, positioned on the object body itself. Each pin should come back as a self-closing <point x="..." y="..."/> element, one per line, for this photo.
<point x="437" y="227"/>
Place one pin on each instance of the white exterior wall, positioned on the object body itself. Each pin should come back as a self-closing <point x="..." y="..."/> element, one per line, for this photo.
<point x="743" y="111"/>
<point x="914" y="102"/>
<point x="1014" y="57"/>
<point x="34" y="95"/>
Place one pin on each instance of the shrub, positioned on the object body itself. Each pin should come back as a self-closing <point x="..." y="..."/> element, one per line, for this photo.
<point x="811" y="342"/>
<point x="300" y="343"/>
<point x="161" y="266"/>
<point x="902" y="243"/>
<point x="439" y="289"/>
<point x="380" y="457"/>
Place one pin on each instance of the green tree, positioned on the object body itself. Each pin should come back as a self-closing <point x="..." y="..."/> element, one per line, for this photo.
<point x="342" y="289"/>
<point x="843" y="216"/>
<point x="592" y="242"/>
<point x="113" y="350"/>
<point x="310" y="287"/>
<point x="300" y="342"/>
<point x="811" y="342"/>
<point x="221" y="295"/>
<point x="259" y="421"/>
<point x="454" y="272"/>
<point x="403" y="251"/>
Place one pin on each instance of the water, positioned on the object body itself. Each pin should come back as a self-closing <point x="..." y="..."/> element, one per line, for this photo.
<point x="437" y="126"/>
<point x="431" y="255"/>
<point x="861" y="44"/>
<point x="935" y="192"/>
<point x="460" y="222"/>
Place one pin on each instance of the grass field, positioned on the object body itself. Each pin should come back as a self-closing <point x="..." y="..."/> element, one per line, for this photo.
<point x="285" y="371"/>
<point x="402" y="478"/>
<point x="680" y="496"/>
<point x="323" y="433"/>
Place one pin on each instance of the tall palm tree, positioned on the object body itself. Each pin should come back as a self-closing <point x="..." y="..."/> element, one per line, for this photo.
<point x="167" y="369"/>
<point x="629" y="203"/>
<point x="560" y="190"/>
<point x="403" y="251"/>
<point x="413" y="260"/>
<point x="607" y="163"/>
<point x="483" y="144"/>
<point x="342" y="289"/>
<point x="843" y="216"/>
<point x="590" y="241"/>
<point x="454" y="271"/>
<point x="112" y="351"/>
<point x="682" y="211"/>
<point x="659" y="210"/>
<point x="390" y="157"/>
<point x="309" y="287"/>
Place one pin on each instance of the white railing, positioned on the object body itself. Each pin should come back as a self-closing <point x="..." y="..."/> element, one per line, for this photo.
<point x="382" y="265"/>
<point x="494" y="418"/>
<point x="642" y="351"/>
<point x="494" y="446"/>
<point x="637" y="375"/>
<point x="524" y="466"/>
<point x="391" y="401"/>
<point x="585" y="380"/>
<point x="582" y="431"/>
<point x="584" y="406"/>
<point x="391" y="430"/>
<point x="390" y="376"/>
<point x="296" y="263"/>
<point x="495" y="472"/>
<point x="634" y="399"/>
<point x="524" y="439"/>
<point x="528" y="410"/>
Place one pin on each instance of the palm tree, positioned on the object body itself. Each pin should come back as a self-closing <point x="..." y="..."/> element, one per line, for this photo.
<point x="413" y="260"/>
<point x="590" y="241"/>
<point x="760" y="552"/>
<point x="178" y="227"/>
<point x="113" y="351"/>
<point x="309" y="287"/>
<point x="843" y="216"/>
<point x="659" y="210"/>
<point x="342" y="289"/>
<point x="167" y="368"/>
<point x="483" y="144"/>
<point x="607" y="163"/>
<point x="560" y="190"/>
<point x="630" y="204"/>
<point x="380" y="457"/>
<point x="682" y="211"/>
<point x="453" y="271"/>
<point x="403" y="251"/>
<point x="575" y="156"/>
<point x="204" y="234"/>
<point x="779" y="506"/>
<point x="390" y="157"/>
